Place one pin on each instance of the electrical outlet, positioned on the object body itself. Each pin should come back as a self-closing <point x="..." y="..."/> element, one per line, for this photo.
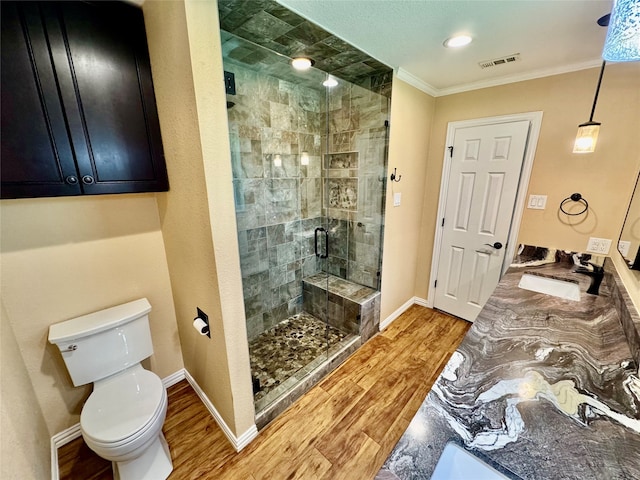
<point x="623" y="248"/>
<point x="599" y="245"/>
<point x="537" y="202"/>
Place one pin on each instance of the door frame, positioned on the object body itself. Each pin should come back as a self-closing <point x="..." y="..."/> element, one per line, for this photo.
<point x="535" y="119"/>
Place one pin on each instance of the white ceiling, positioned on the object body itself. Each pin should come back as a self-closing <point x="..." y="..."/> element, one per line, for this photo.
<point x="551" y="36"/>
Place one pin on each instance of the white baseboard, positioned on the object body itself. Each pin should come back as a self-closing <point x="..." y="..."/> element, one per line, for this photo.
<point x="174" y="378"/>
<point x="403" y="308"/>
<point x="62" y="438"/>
<point x="57" y="441"/>
<point x="238" y="442"/>
<point x="422" y="302"/>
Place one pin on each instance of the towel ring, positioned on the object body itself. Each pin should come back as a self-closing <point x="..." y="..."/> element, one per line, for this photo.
<point x="576" y="197"/>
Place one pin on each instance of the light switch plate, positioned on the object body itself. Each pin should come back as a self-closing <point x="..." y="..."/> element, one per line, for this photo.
<point x="599" y="245"/>
<point x="537" y="202"/>
<point x="397" y="199"/>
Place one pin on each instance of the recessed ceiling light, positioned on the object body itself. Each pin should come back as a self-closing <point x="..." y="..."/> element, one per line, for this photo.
<point x="330" y="82"/>
<point x="301" y="63"/>
<point x="457" y="41"/>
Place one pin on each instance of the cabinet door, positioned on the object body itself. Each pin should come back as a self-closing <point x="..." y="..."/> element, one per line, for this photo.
<point x="102" y="62"/>
<point x="37" y="158"/>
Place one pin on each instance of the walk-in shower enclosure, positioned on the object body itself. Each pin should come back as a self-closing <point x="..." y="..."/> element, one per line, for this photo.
<point x="308" y="152"/>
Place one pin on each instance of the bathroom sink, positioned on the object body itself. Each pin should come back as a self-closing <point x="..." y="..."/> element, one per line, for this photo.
<point x="456" y="463"/>
<point x="550" y="286"/>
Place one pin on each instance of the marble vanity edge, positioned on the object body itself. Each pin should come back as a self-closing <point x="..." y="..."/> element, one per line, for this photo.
<point x="627" y="313"/>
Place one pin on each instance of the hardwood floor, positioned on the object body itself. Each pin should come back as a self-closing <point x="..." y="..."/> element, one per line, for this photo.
<point x="343" y="428"/>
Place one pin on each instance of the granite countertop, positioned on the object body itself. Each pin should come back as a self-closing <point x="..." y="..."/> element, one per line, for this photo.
<point x="540" y="388"/>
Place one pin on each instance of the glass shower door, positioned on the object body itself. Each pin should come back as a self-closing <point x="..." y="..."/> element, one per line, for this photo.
<point x="308" y="172"/>
<point x="275" y="124"/>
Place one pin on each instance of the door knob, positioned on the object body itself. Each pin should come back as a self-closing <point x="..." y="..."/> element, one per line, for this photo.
<point x="496" y="245"/>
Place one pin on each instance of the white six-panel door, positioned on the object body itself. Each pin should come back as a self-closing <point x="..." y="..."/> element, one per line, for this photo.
<point x="482" y="187"/>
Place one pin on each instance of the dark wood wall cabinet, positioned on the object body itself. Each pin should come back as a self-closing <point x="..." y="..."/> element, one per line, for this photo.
<point x="78" y="109"/>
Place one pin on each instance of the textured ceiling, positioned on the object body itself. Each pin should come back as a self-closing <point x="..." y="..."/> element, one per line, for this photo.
<point x="269" y="24"/>
<point x="551" y="36"/>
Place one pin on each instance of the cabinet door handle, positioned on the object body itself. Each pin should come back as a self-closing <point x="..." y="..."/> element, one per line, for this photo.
<point x="71" y="180"/>
<point x="87" y="180"/>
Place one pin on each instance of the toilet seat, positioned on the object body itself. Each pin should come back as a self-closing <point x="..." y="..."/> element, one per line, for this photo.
<point x="123" y="407"/>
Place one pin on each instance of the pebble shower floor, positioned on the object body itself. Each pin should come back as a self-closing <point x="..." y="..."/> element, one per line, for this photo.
<point x="287" y="348"/>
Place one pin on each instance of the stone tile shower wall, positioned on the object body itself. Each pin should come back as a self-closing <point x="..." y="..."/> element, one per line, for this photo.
<point x="355" y="171"/>
<point x="278" y="207"/>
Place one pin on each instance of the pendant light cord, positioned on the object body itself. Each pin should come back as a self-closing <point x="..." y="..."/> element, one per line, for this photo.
<point x="595" y="99"/>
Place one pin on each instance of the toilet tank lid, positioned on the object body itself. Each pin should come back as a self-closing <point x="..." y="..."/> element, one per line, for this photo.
<point x="97" y="322"/>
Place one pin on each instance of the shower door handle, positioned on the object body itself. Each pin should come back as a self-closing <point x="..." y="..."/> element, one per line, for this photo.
<point x="326" y="243"/>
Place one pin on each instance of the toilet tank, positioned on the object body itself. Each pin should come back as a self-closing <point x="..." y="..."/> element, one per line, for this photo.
<point x="102" y="343"/>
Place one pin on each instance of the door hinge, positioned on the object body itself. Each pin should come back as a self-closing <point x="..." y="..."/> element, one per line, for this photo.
<point x="450" y="151"/>
<point x="386" y="123"/>
<point x="442" y="223"/>
<point x="435" y="284"/>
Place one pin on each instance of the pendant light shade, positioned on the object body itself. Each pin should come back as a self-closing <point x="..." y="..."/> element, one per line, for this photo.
<point x="586" y="138"/>
<point x="587" y="135"/>
<point x="623" y="36"/>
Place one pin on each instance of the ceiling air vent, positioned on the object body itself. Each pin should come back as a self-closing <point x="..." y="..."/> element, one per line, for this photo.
<point x="500" y="61"/>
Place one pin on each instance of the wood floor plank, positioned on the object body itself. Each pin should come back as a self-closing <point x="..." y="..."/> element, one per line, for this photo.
<point x="286" y="446"/>
<point x="310" y="465"/>
<point x="421" y="388"/>
<point x="343" y="428"/>
<point x="76" y="460"/>
<point x="411" y="314"/>
<point x="388" y="408"/>
<point x="372" y="413"/>
<point x="347" y="466"/>
<point x="360" y="363"/>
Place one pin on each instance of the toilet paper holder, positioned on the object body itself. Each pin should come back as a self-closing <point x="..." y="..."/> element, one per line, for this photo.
<point x="203" y="329"/>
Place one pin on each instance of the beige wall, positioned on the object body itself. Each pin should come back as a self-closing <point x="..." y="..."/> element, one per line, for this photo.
<point x="64" y="257"/>
<point x="605" y="178"/>
<point x="411" y="119"/>
<point x="197" y="214"/>
<point x="24" y="437"/>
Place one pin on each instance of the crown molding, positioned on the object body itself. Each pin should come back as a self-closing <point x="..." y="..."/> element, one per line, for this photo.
<point x="494" y="82"/>
<point x="402" y="74"/>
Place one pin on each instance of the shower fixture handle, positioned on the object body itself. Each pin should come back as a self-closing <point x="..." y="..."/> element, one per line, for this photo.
<point x="326" y="243"/>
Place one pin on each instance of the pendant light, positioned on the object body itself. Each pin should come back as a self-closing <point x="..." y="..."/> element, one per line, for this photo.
<point x="623" y="36"/>
<point x="587" y="135"/>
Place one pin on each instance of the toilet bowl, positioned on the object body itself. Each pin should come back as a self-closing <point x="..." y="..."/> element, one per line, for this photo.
<point x="122" y="418"/>
<point x="122" y="422"/>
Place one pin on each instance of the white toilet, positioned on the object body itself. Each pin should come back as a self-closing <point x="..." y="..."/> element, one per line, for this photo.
<point x="122" y="418"/>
